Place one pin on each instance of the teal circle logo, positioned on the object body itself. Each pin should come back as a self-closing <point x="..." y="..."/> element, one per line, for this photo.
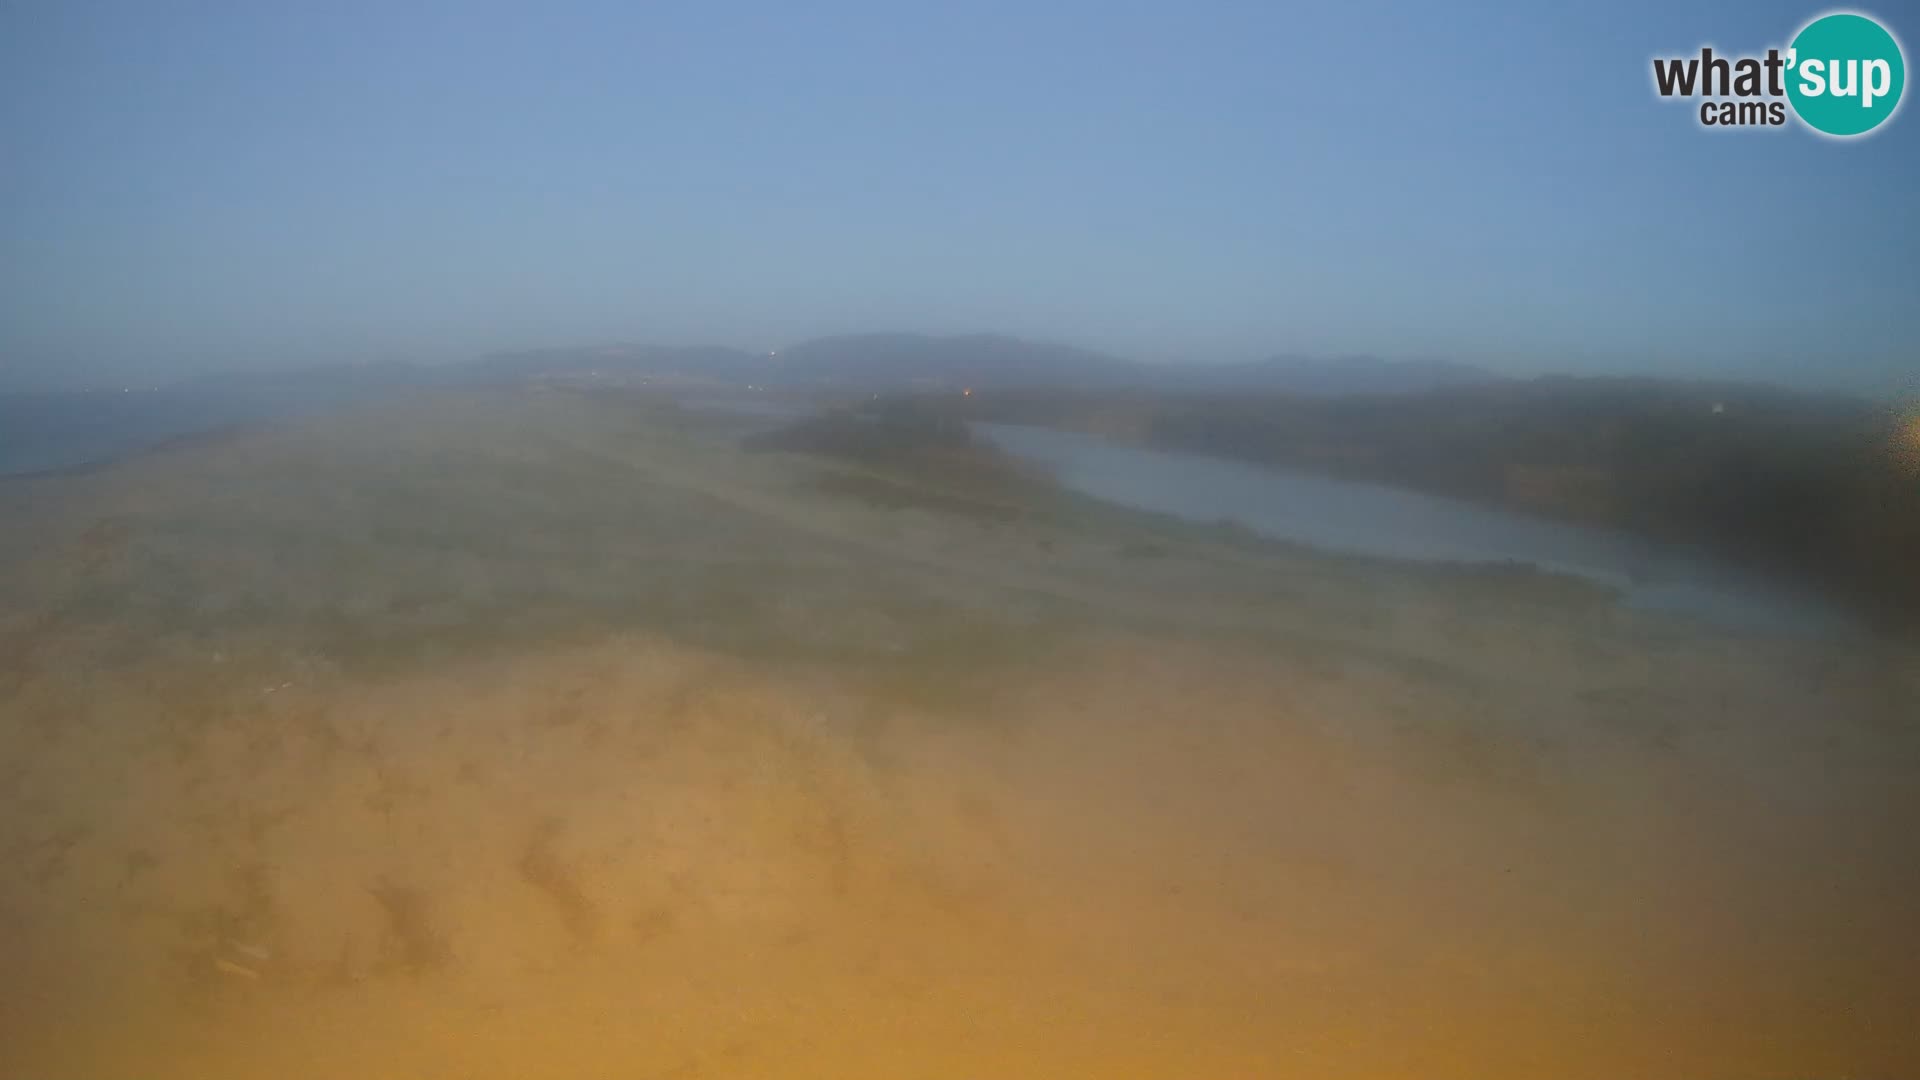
<point x="1845" y="74"/>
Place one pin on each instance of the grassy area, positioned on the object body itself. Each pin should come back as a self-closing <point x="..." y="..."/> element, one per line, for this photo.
<point x="1824" y="490"/>
<point x="528" y="733"/>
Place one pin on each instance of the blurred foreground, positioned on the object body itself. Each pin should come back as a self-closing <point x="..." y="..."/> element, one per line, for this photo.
<point x="536" y="733"/>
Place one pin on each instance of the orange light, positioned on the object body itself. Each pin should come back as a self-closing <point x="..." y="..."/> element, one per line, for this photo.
<point x="1907" y="443"/>
<point x="967" y="392"/>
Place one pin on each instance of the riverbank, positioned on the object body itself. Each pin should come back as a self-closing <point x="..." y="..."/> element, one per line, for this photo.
<point x="1822" y="492"/>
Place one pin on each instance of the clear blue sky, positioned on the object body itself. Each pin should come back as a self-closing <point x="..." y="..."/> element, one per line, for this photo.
<point x="187" y="186"/>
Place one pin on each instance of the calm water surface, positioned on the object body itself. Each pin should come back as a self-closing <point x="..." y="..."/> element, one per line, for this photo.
<point x="1388" y="522"/>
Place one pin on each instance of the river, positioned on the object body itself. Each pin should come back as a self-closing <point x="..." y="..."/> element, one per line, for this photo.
<point x="1387" y="522"/>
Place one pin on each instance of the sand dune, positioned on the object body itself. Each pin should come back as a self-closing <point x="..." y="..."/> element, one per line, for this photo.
<point x="546" y="735"/>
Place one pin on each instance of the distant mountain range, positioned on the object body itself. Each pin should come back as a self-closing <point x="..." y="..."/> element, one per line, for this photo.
<point x="1338" y="376"/>
<point x="883" y="362"/>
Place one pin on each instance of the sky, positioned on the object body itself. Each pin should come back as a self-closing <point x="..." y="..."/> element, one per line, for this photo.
<point x="196" y="186"/>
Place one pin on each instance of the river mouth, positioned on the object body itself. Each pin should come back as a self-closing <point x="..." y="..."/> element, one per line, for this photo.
<point x="1378" y="521"/>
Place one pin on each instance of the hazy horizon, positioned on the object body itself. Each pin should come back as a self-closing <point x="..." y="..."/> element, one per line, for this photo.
<point x="1895" y="386"/>
<point x="275" y="188"/>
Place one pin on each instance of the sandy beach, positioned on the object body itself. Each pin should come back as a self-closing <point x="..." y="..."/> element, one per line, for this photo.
<point x="525" y="734"/>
